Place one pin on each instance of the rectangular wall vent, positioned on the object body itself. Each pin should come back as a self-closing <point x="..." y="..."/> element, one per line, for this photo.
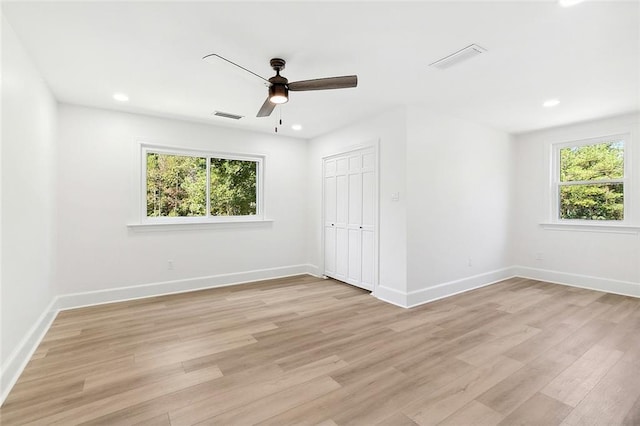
<point x="227" y="115"/>
<point x="459" y="56"/>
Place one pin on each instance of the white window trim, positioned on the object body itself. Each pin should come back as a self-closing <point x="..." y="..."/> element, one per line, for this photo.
<point x="616" y="226"/>
<point x="588" y="227"/>
<point x="188" y="222"/>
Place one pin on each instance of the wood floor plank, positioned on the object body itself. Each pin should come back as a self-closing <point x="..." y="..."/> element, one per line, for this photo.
<point x="221" y="403"/>
<point x="474" y="413"/>
<point x="397" y="419"/>
<point x="518" y="387"/>
<point x="583" y="338"/>
<point x="611" y="400"/>
<point x="538" y="410"/>
<point x="574" y="383"/>
<point x="275" y="403"/>
<point x="350" y="397"/>
<point x="160" y="420"/>
<point x="524" y="301"/>
<point x="369" y="404"/>
<point x="539" y="344"/>
<point x="83" y="407"/>
<point x="482" y="354"/>
<point x="633" y="416"/>
<point x="445" y="401"/>
<point x="170" y="402"/>
<point x="624" y="336"/>
<point x="306" y="351"/>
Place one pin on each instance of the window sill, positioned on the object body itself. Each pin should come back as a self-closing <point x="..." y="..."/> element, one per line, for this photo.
<point x="179" y="226"/>
<point x="588" y="227"/>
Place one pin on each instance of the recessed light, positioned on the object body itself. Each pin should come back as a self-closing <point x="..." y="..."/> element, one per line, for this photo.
<point x="296" y="127"/>
<point x="120" y="97"/>
<point x="569" y="3"/>
<point x="550" y="103"/>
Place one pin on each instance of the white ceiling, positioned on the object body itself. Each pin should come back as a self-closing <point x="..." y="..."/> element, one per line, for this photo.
<point x="588" y="56"/>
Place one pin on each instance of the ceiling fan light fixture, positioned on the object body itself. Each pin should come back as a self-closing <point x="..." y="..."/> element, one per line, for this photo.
<point x="278" y="94"/>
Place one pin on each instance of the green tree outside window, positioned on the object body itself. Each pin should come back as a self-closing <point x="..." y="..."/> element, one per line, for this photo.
<point x="177" y="186"/>
<point x="591" y="186"/>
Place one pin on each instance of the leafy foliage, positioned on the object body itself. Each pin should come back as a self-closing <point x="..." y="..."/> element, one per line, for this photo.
<point x="233" y="187"/>
<point x="585" y="166"/>
<point x="177" y="186"/>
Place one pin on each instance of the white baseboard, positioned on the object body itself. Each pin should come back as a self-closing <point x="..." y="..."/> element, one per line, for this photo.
<point x="392" y="296"/>
<point x="625" y="288"/>
<point x="440" y="291"/>
<point x="18" y="359"/>
<point x="121" y="294"/>
<point x="314" y="270"/>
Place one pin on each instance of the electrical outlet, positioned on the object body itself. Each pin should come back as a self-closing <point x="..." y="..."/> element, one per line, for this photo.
<point x="539" y="256"/>
<point x="170" y="265"/>
<point x="469" y="262"/>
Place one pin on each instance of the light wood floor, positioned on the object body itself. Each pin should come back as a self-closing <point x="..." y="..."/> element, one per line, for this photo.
<point x="306" y="351"/>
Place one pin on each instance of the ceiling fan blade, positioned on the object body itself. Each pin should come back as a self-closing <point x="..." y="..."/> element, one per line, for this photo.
<point x="266" y="109"/>
<point x="343" y="82"/>
<point x="214" y="57"/>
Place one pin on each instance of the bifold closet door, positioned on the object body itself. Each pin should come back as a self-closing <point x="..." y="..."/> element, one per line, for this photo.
<point x="349" y="212"/>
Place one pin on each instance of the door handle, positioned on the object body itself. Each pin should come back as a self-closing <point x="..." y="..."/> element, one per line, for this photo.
<point x="361" y="227"/>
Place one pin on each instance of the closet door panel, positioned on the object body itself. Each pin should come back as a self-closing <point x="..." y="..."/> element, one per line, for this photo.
<point x="342" y="253"/>
<point x="355" y="256"/>
<point x="330" y="250"/>
<point x="330" y="200"/>
<point x="368" y="200"/>
<point x="368" y="161"/>
<point x="342" y="165"/>
<point x="342" y="200"/>
<point x="368" y="262"/>
<point x="355" y="200"/>
<point x="355" y="163"/>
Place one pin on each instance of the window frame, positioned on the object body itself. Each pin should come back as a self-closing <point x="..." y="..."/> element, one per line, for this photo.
<point x="208" y="218"/>
<point x="557" y="184"/>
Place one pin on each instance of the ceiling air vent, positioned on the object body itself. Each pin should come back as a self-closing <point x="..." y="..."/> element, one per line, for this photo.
<point x="459" y="56"/>
<point x="227" y="115"/>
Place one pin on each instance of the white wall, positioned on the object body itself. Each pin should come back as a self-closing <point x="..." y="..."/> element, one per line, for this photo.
<point x="459" y="185"/>
<point x="454" y="180"/>
<point x="99" y="182"/>
<point x="389" y="128"/>
<point x="28" y="147"/>
<point x="610" y="261"/>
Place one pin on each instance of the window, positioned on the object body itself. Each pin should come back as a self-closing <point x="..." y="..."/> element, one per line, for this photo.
<point x="184" y="186"/>
<point x="590" y="179"/>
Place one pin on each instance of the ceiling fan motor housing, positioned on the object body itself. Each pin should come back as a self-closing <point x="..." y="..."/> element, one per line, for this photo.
<point x="277" y="64"/>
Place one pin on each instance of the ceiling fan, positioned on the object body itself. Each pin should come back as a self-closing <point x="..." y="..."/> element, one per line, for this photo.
<point x="279" y="86"/>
